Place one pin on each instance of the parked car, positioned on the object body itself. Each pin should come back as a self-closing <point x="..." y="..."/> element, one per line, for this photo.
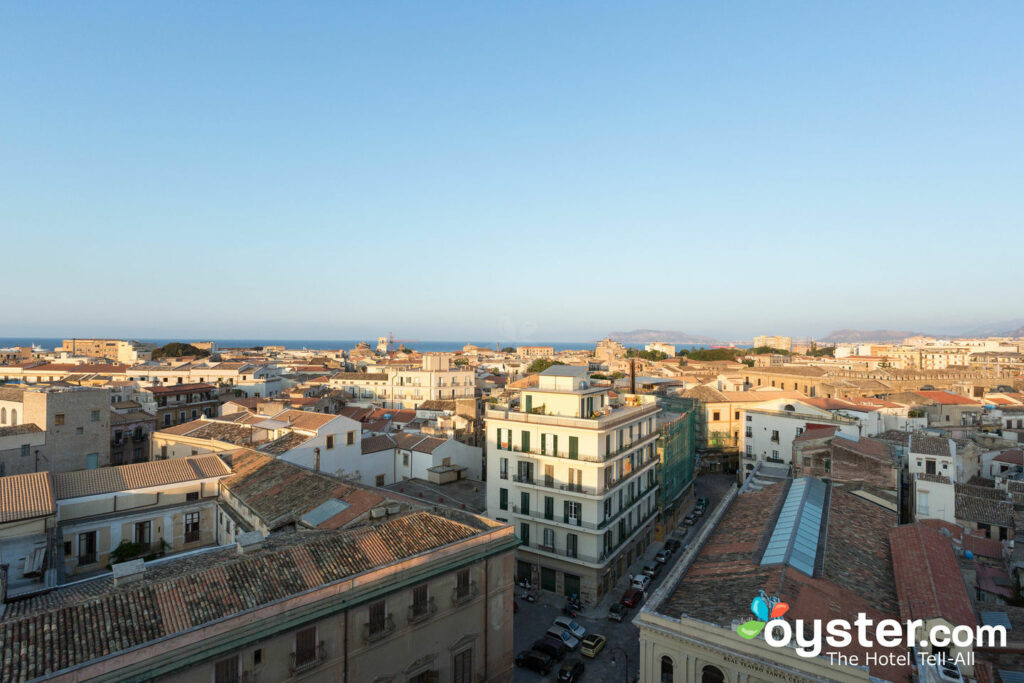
<point x="568" y="639"/>
<point x="538" y="661"/>
<point x="949" y="671"/>
<point x="698" y="512"/>
<point x="703" y="502"/>
<point x="571" y="625"/>
<point x="552" y="648"/>
<point x="571" y="671"/>
<point x="632" y="597"/>
<point x="617" y="612"/>
<point x="673" y="544"/>
<point x="651" y="570"/>
<point x="592" y="644"/>
<point x="690" y="519"/>
<point x="641" y="581"/>
<point x="662" y="556"/>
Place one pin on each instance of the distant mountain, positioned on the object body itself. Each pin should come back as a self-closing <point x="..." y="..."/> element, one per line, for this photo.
<point x="1019" y="332"/>
<point x="867" y="335"/>
<point x="1006" y="328"/>
<point x="670" y="336"/>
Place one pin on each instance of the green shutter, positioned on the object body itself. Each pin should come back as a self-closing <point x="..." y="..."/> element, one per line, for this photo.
<point x="554" y="444"/>
<point x="543" y="444"/>
<point x="549" y="507"/>
<point x="566" y="512"/>
<point x="526" y="442"/>
<point x="574" y="447"/>
<point x="503" y="499"/>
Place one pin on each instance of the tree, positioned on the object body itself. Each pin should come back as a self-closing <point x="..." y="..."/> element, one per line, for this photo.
<point x="461" y="361"/>
<point x="508" y="349"/>
<point x="820" y="352"/>
<point x="542" y="364"/>
<point x="767" y="349"/>
<point x="646" y="355"/>
<point x="713" y="354"/>
<point x="177" y="350"/>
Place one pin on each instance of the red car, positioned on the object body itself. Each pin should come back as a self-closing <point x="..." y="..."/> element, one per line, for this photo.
<point x="632" y="597"/>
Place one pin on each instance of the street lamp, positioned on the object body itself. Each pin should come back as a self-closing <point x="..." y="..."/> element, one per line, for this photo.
<point x="625" y="656"/>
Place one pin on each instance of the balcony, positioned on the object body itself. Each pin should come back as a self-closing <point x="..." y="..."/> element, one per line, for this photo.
<point x="616" y="417"/>
<point x="562" y="454"/>
<point x="463" y="594"/>
<point x="304" y="661"/>
<point x="374" y="631"/>
<point x="421" y="612"/>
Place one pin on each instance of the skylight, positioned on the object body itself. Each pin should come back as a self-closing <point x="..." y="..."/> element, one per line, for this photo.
<point x="794" y="540"/>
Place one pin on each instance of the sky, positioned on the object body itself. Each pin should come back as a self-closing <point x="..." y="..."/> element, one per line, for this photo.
<point x="508" y="171"/>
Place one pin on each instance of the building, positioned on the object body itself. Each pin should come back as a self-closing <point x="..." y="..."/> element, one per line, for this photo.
<point x="664" y="347"/>
<point x="76" y="422"/>
<point x="774" y="342"/>
<point x="576" y="475"/>
<point x="769" y="429"/>
<point x="406" y="386"/>
<point x="676" y="449"/>
<point x="841" y="566"/>
<point x="117" y="350"/>
<point x="130" y="434"/>
<point x="535" y="351"/>
<point x="20" y="449"/>
<point x="410" y="597"/>
<point x="180" y="403"/>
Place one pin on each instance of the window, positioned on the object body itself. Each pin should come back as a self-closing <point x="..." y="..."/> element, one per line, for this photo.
<point x="524" y="502"/>
<point x="737" y="415"/>
<point x="462" y="583"/>
<point x="503" y="468"/>
<point x="142" y="533"/>
<point x="524" y="533"/>
<point x="922" y="502"/>
<point x="549" y="539"/>
<point x="87" y="547"/>
<point x="58" y="419"/>
<point x="574" y="447"/>
<point x="191" y="527"/>
<point x="167" y="419"/>
<point x="716" y="416"/>
<point x="378" y="480"/>
<point x="462" y="667"/>
<point x="92" y="461"/>
<point x="257" y="657"/>
<point x="419" y="601"/>
<point x="503" y="499"/>
<point x="571" y="545"/>
<point x="226" y="670"/>
<point x="525" y="441"/>
<point x="350" y="437"/>
<point x="192" y="495"/>
<point x="549" y="507"/>
<point x="67" y="548"/>
<point x="405" y="462"/>
<point x="330" y="441"/>
<point x="667" y="670"/>
<point x="24" y="449"/>
<point x="79" y="430"/>
<point x="775" y="436"/>
<point x="377" y="622"/>
<point x="305" y="647"/>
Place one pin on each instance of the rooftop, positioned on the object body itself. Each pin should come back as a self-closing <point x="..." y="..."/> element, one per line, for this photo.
<point x="928" y="579"/>
<point x="26" y="496"/>
<point x="137" y="476"/>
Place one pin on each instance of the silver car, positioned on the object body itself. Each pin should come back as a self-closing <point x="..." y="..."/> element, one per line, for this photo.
<point x="572" y="626"/>
<point x="563" y="635"/>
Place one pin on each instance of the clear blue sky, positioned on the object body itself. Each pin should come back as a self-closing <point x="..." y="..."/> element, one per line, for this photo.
<point x="497" y="170"/>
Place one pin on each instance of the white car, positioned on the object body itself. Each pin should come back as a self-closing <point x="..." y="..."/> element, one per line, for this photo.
<point x="559" y="633"/>
<point x="641" y="581"/>
<point x="571" y="626"/>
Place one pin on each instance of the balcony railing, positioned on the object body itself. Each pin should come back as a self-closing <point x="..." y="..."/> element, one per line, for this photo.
<point x="374" y="631"/>
<point x="563" y="454"/>
<point x="613" y="419"/>
<point x="304" y="661"/>
<point x="418" y="613"/>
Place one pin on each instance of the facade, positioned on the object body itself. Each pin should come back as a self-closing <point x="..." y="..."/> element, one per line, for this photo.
<point x="774" y="342"/>
<point x="535" y="351"/>
<point x="404" y="385"/>
<point x="676" y="449"/>
<point x="180" y="403"/>
<point x="664" y="347"/>
<point x="410" y="597"/>
<point x="131" y="432"/>
<point x="577" y="477"/>
<point x="76" y="422"/>
<point x="119" y="350"/>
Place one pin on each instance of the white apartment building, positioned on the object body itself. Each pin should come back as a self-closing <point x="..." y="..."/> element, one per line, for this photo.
<point x="576" y="477"/>
<point x="437" y="379"/>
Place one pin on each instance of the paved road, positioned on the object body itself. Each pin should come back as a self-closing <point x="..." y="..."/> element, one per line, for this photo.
<point x="534" y="619"/>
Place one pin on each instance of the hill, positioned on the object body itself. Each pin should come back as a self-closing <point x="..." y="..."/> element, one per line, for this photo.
<point x="867" y="335"/>
<point x="671" y="336"/>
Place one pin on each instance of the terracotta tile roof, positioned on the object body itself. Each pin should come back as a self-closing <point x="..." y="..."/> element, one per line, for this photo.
<point x="375" y="444"/>
<point x="417" y="442"/>
<point x="228" y="432"/>
<point x="354" y="413"/>
<point x="946" y="398"/>
<point x="1012" y="456"/>
<point x="137" y="476"/>
<point x="280" y="492"/>
<point x="974" y="508"/>
<point x="399" y="416"/>
<point x="285" y="443"/>
<point x="185" y="593"/>
<point x="934" y="478"/>
<point x="872" y="448"/>
<point x="928" y="579"/>
<point x="929" y="445"/>
<point x="301" y="419"/>
<point x="25" y="428"/>
<point x="816" y="432"/>
<point x="25" y="496"/>
<point x="368" y="376"/>
<point x="12" y="394"/>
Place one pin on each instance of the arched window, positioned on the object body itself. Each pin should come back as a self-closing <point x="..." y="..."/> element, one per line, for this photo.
<point x="14" y="416"/>
<point x="666" y="669"/>
<point x="3" y="416"/>
<point x="711" y="674"/>
<point x="789" y="407"/>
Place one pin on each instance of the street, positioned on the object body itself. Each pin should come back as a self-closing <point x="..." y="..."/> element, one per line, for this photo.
<point x="535" y="618"/>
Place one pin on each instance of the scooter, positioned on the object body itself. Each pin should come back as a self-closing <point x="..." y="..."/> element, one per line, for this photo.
<point x="528" y="595"/>
<point x="524" y="583"/>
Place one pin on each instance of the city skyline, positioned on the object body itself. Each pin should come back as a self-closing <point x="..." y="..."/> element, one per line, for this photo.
<point x="723" y="172"/>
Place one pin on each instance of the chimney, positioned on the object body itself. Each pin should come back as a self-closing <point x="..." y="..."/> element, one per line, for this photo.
<point x="248" y="542"/>
<point x="632" y="375"/>
<point x="316" y="454"/>
<point x="128" y="572"/>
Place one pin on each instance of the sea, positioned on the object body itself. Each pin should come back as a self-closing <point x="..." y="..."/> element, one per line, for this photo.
<point x="331" y="344"/>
